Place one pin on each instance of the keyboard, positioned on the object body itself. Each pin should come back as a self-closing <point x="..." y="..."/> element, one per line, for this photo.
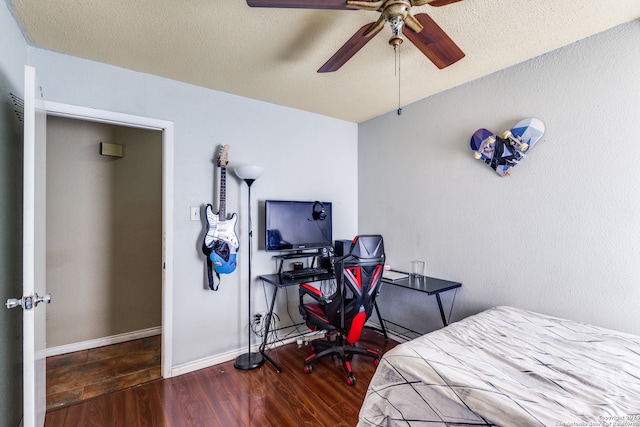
<point x="304" y="272"/>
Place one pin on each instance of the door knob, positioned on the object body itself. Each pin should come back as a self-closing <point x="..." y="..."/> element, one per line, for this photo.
<point x="45" y="299"/>
<point x="13" y="302"/>
<point x="28" y="302"/>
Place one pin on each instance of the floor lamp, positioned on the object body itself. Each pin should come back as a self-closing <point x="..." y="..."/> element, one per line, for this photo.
<point x="249" y="360"/>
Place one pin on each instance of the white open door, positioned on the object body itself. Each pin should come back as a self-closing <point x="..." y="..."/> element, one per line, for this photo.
<point x="34" y="251"/>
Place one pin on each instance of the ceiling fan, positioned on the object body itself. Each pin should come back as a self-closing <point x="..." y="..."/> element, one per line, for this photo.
<point x="420" y="29"/>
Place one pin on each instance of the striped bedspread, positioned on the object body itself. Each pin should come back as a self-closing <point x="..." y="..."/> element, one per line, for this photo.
<point x="508" y="367"/>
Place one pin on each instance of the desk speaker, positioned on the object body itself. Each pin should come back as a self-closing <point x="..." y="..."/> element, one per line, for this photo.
<point x="342" y="247"/>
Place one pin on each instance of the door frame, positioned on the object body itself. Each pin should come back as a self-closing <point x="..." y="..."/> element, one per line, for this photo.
<point x="167" y="129"/>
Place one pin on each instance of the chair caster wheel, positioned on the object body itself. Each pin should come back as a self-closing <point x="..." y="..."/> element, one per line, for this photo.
<point x="307" y="369"/>
<point x="351" y="380"/>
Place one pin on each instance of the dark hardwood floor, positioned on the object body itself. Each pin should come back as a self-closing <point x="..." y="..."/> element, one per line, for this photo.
<point x="224" y="396"/>
<point x="81" y="375"/>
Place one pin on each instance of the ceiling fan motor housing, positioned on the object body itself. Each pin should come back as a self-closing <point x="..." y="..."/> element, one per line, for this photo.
<point x="394" y="8"/>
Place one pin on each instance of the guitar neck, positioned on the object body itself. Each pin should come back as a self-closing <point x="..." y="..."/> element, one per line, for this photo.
<point x="222" y="214"/>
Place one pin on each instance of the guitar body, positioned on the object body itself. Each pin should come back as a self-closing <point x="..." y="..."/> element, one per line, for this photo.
<point x="220" y="243"/>
<point x="222" y="239"/>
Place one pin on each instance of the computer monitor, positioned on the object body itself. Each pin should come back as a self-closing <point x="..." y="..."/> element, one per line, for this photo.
<point x="297" y="225"/>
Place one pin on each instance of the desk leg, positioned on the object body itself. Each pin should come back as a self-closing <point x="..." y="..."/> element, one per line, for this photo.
<point x="263" y="346"/>
<point x="384" y="329"/>
<point x="444" y="320"/>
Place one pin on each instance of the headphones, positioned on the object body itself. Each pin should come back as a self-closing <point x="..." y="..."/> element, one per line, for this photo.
<point x="318" y="213"/>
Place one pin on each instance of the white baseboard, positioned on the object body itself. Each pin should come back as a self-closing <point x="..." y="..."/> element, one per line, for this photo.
<point x="185" y="368"/>
<point x="207" y="362"/>
<point x="99" y="342"/>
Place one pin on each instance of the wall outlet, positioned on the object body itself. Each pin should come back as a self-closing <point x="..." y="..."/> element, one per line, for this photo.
<point x="260" y="317"/>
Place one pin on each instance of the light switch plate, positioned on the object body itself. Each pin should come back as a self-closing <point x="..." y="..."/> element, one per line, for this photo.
<point x="195" y="213"/>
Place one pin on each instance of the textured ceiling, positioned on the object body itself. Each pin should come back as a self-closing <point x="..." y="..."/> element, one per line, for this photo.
<point x="273" y="54"/>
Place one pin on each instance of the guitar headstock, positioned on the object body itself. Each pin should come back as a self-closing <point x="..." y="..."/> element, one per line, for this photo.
<point x="223" y="156"/>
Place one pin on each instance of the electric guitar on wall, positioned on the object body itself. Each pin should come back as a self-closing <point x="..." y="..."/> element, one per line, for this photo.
<point x="220" y="243"/>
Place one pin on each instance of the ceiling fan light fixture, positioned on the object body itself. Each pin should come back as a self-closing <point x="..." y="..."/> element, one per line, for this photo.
<point x="397" y="24"/>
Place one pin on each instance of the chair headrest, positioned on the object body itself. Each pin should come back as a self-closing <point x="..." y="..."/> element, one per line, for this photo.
<point x="367" y="247"/>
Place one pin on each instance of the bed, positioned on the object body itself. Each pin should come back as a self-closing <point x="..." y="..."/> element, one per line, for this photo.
<point x="508" y="367"/>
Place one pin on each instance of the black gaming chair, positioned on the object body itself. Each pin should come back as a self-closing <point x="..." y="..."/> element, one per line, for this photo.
<point x="343" y="314"/>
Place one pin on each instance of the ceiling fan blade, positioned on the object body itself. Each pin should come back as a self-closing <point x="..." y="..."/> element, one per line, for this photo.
<point x="350" y="48"/>
<point x="439" y="3"/>
<point x="434" y="42"/>
<point x="300" y="4"/>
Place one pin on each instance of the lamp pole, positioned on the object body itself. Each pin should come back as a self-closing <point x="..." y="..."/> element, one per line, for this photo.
<point x="249" y="360"/>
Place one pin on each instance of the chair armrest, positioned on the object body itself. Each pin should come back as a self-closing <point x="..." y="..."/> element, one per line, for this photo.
<point x="313" y="292"/>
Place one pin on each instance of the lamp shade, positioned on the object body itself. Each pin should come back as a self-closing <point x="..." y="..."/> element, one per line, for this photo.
<point x="248" y="172"/>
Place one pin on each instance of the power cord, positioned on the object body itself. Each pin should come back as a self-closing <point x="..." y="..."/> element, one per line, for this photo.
<point x="258" y="324"/>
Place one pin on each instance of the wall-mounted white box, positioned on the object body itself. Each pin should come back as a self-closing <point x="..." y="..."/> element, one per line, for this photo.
<point x="113" y="150"/>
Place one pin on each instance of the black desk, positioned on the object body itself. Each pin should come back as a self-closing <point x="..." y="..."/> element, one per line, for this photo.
<point x="428" y="285"/>
<point x="280" y="281"/>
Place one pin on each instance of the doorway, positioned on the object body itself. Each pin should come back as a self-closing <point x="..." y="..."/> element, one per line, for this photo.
<point x="118" y="242"/>
<point x="104" y="250"/>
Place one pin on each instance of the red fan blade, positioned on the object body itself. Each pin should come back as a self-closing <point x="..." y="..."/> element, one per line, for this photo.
<point x="350" y="48"/>
<point x="434" y="42"/>
<point x="438" y="3"/>
<point x="301" y="4"/>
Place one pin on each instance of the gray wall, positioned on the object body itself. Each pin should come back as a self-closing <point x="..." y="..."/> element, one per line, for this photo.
<point x="306" y="157"/>
<point x="104" y="231"/>
<point x="561" y="235"/>
<point x="12" y="60"/>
